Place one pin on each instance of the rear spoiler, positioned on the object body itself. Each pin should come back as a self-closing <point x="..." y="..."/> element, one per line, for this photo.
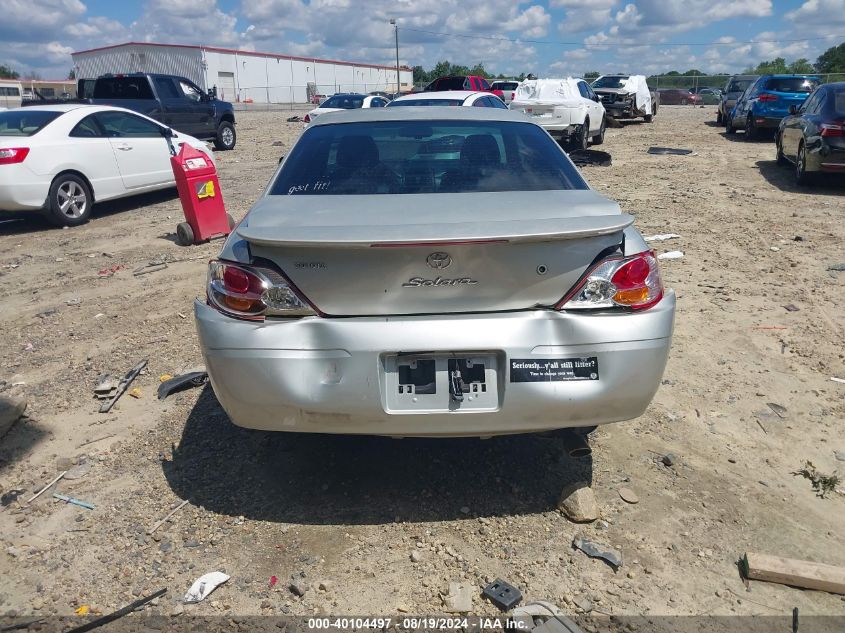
<point x="433" y="234"/>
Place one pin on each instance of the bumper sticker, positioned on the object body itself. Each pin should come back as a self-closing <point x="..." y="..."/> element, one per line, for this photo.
<point x="554" y="369"/>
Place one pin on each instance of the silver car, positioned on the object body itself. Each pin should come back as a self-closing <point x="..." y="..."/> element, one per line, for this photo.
<point x="734" y="88"/>
<point x="433" y="271"/>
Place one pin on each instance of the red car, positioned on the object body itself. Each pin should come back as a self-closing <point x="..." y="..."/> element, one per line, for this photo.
<point x="463" y="82"/>
<point x="678" y="96"/>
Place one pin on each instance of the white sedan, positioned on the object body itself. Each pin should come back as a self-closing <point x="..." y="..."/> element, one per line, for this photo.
<point x="63" y="158"/>
<point x="351" y="101"/>
<point x="450" y="98"/>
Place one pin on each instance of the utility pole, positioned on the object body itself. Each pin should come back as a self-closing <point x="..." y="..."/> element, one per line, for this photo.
<point x="396" y="33"/>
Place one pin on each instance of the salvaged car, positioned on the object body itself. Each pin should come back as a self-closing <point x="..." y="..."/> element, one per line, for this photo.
<point x="568" y="109"/>
<point x="734" y="88"/>
<point x="627" y="96"/>
<point x="433" y="271"/>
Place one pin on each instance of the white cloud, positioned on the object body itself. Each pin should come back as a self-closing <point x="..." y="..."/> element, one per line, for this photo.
<point x="531" y="23"/>
<point x="185" y="22"/>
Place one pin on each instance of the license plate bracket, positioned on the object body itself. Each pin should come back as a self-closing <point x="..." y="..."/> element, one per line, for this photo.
<point x="429" y="383"/>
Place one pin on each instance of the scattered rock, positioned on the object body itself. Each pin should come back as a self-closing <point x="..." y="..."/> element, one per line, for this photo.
<point x="839" y="455"/>
<point x="324" y="585"/>
<point x="459" y="598"/>
<point x="11" y="409"/>
<point x="298" y="589"/>
<point x="628" y="495"/>
<point x="178" y="609"/>
<point x="63" y="463"/>
<point x="416" y="556"/>
<point x="583" y="603"/>
<point x="669" y="459"/>
<point x="465" y="509"/>
<point x="791" y="307"/>
<point x="578" y="503"/>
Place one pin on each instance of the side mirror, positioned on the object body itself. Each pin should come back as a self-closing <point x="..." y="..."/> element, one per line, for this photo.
<point x="166" y="132"/>
<point x="792" y="109"/>
<point x="596" y="98"/>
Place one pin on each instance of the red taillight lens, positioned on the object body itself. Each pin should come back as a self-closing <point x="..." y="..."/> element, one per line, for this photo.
<point x="306" y="118"/>
<point x="251" y="292"/>
<point x="631" y="282"/>
<point x="767" y="97"/>
<point x="12" y="155"/>
<point x="832" y="129"/>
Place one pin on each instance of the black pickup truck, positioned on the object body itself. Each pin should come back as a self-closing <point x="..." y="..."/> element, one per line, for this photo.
<point x="175" y="101"/>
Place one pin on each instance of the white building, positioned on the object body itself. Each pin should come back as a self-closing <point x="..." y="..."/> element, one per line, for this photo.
<point x="242" y="75"/>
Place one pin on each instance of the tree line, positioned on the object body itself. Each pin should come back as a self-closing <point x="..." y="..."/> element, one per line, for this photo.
<point x="830" y="62"/>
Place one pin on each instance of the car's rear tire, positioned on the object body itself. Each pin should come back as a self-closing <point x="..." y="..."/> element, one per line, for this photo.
<point x="184" y="234"/>
<point x="648" y="118"/>
<point x="719" y="119"/>
<point x="751" y="133"/>
<point x="598" y="139"/>
<point x="69" y="201"/>
<point x="729" y="125"/>
<point x="779" y="157"/>
<point x="226" y="137"/>
<point x="802" y="176"/>
<point x="582" y="137"/>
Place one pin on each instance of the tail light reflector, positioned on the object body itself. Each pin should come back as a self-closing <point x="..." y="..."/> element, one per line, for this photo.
<point x="828" y="129"/>
<point x="252" y="292"/>
<point x="12" y="155"/>
<point x="630" y="282"/>
<point x="766" y="96"/>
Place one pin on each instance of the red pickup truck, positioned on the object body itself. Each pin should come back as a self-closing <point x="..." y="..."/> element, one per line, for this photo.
<point x="463" y="82"/>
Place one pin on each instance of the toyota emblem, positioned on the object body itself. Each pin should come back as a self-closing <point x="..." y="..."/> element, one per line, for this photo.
<point x="439" y="261"/>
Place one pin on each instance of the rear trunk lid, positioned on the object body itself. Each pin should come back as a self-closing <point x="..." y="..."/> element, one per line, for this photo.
<point x="466" y="252"/>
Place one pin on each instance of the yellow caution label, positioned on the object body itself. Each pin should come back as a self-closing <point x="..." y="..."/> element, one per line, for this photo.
<point x="205" y="189"/>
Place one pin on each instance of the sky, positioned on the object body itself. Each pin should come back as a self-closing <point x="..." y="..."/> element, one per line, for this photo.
<point x="549" y="38"/>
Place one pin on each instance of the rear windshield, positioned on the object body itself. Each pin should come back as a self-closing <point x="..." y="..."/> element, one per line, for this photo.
<point x="123" y="88"/>
<point x="792" y="84"/>
<point x="608" y="82"/>
<point x="739" y="85"/>
<point x="25" y="122"/>
<point x="447" y="83"/>
<point x="400" y="157"/>
<point x="505" y="85"/>
<point x="345" y="102"/>
<point x="425" y="102"/>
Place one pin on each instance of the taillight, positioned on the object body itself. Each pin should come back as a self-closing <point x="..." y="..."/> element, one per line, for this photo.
<point x="306" y="118"/>
<point x="12" y="155"/>
<point x="250" y="292"/>
<point x="766" y="96"/>
<point x="631" y="282"/>
<point x="827" y="129"/>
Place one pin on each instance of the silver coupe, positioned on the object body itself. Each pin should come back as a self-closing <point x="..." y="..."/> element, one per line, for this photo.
<point x="433" y="271"/>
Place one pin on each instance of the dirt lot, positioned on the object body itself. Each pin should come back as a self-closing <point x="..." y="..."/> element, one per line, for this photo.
<point x="340" y="517"/>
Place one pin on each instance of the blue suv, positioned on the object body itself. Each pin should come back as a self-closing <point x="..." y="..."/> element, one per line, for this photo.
<point x="767" y="101"/>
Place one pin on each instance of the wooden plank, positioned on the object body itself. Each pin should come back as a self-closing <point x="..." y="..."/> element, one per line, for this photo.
<point x="796" y="573"/>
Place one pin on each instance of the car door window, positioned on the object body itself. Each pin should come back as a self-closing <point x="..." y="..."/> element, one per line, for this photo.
<point x="481" y="102"/>
<point x="87" y="128"/>
<point x="125" y="125"/>
<point x="189" y="90"/>
<point x="483" y="83"/>
<point x="165" y="88"/>
<point x="582" y="88"/>
<point x="495" y="102"/>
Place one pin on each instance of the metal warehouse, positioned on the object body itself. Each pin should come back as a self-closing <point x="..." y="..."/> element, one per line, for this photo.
<point x="244" y="76"/>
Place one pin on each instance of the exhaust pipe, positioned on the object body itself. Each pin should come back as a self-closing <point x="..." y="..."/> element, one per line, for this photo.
<point x="576" y="444"/>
